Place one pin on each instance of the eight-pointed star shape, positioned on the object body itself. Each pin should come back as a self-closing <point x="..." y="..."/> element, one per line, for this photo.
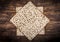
<point x="29" y="20"/>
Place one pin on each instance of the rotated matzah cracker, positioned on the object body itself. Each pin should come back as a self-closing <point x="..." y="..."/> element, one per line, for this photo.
<point x="30" y="20"/>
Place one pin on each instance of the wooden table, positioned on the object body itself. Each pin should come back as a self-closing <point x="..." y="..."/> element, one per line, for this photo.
<point x="8" y="30"/>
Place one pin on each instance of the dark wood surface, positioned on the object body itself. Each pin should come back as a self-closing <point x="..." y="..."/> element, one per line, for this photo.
<point x="8" y="30"/>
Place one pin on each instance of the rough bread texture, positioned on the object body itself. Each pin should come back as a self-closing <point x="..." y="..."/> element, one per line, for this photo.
<point x="29" y="20"/>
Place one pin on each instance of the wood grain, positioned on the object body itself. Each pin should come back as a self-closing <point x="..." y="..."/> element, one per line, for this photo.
<point x="8" y="30"/>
